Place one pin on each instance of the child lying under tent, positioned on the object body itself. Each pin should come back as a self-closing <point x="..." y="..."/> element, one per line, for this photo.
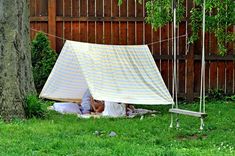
<point x="107" y="108"/>
<point x="90" y="107"/>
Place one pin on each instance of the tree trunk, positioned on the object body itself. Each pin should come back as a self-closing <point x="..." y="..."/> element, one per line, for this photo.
<point x="16" y="79"/>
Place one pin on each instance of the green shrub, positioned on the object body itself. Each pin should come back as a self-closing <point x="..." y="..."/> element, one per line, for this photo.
<point x="230" y="98"/>
<point x="34" y="107"/>
<point x="216" y="94"/>
<point x="43" y="60"/>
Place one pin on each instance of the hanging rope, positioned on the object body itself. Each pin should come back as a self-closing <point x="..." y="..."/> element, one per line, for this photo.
<point x="202" y="90"/>
<point x="174" y="88"/>
<point x="175" y="59"/>
<point x="47" y="34"/>
<point x="61" y="38"/>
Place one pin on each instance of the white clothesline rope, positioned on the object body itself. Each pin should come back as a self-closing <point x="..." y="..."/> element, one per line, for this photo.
<point x="145" y="44"/>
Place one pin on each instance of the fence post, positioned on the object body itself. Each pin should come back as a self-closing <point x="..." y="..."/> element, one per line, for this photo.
<point x="190" y="61"/>
<point x="52" y="22"/>
<point x="190" y="74"/>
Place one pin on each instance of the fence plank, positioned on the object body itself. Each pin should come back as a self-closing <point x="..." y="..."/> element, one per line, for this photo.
<point x="75" y="31"/>
<point x="182" y="51"/>
<point x="221" y="75"/>
<point x="99" y="8"/>
<point x="59" y="7"/>
<point x="140" y="10"/>
<point x="229" y="67"/>
<point x="59" y="33"/>
<point x="140" y="30"/>
<point x="67" y="31"/>
<point x="91" y="32"/>
<point x="213" y="64"/>
<point x="91" y="7"/>
<point x="68" y="8"/>
<point x="32" y="7"/>
<point x="115" y="9"/>
<point x="83" y="32"/>
<point x="99" y="33"/>
<point x="107" y="8"/>
<point x="83" y="9"/>
<point x="37" y="7"/>
<point x="131" y="33"/>
<point x="123" y="9"/>
<point x="123" y="33"/>
<point x="75" y="8"/>
<point x="44" y="8"/>
<point x="107" y="33"/>
<point x="115" y="33"/>
<point x="52" y="22"/>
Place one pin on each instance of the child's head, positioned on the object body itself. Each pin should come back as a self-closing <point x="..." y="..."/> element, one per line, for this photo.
<point x="97" y="106"/>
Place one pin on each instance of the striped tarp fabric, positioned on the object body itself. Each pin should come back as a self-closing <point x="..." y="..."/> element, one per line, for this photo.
<point x="118" y="73"/>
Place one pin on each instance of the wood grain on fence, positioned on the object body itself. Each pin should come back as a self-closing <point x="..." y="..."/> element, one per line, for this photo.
<point x="104" y="22"/>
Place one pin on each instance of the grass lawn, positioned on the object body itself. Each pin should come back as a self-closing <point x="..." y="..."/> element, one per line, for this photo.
<point x="68" y="135"/>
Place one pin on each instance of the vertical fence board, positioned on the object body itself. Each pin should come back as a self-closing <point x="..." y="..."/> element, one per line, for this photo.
<point x="91" y="32"/>
<point x="107" y="33"/>
<point x="131" y="8"/>
<point x="44" y="28"/>
<point x="59" y="7"/>
<point x="148" y="35"/>
<point x="213" y="75"/>
<point x="59" y="33"/>
<point x="107" y="25"/>
<point x="115" y="8"/>
<point x="123" y="9"/>
<point x="115" y="33"/>
<point x="32" y="32"/>
<point x="99" y="33"/>
<point x="139" y="31"/>
<point x="131" y="33"/>
<point x="221" y="75"/>
<point x="68" y="8"/>
<point x="123" y="33"/>
<point x="213" y="64"/>
<point x="164" y="51"/>
<point x="75" y="31"/>
<point x="107" y="8"/>
<point x="83" y="31"/>
<point x="75" y="8"/>
<point x="207" y="69"/>
<point x="44" y="8"/>
<point x="32" y="7"/>
<point x="99" y="8"/>
<point x="139" y="10"/>
<point x="197" y="76"/>
<point x="83" y="8"/>
<point x="52" y="22"/>
<point x="156" y="43"/>
<point x="182" y="51"/>
<point x="229" y="67"/>
<point x="37" y="8"/>
<point x="67" y="30"/>
<point x="91" y="8"/>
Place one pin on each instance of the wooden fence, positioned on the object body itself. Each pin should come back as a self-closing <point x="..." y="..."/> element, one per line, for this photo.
<point x="104" y="22"/>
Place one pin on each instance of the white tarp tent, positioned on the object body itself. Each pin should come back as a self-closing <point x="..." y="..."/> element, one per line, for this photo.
<point x="115" y="73"/>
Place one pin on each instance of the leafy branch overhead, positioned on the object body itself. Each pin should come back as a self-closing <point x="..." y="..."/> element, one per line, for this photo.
<point x="219" y="17"/>
<point x="160" y="12"/>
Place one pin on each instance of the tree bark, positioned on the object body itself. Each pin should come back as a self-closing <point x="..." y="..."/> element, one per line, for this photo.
<point x="16" y="79"/>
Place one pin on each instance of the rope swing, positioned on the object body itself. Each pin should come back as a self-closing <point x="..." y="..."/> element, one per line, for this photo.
<point x="202" y="112"/>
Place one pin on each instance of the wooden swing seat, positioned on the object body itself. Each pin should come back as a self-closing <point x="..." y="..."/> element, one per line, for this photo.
<point x="187" y="112"/>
